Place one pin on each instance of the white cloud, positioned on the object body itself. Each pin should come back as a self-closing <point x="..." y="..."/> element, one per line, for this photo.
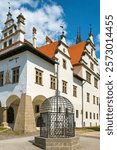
<point x="46" y="20"/>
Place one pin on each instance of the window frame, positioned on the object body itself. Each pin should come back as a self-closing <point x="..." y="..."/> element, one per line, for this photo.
<point x="64" y="87"/>
<point x="77" y="113"/>
<point x="74" y="91"/>
<point x="1" y="78"/>
<point x="88" y="97"/>
<point x="88" y="77"/>
<point x="15" y="77"/>
<point x="64" y="64"/>
<point x="52" y="82"/>
<point x="95" y="82"/>
<point x="38" y="76"/>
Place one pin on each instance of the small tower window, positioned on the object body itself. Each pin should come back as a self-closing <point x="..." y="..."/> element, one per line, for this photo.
<point x="10" y="42"/>
<point x="92" y="52"/>
<point x="11" y="31"/>
<point x="64" y="64"/>
<point x="5" y="44"/>
<point x="5" y="34"/>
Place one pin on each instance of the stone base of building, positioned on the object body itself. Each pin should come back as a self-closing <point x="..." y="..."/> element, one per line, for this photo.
<point x="58" y="143"/>
<point x="4" y="124"/>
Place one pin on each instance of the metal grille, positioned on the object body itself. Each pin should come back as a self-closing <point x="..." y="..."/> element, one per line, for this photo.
<point x="57" y="125"/>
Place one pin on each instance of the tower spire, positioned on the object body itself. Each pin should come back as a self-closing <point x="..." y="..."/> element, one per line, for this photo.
<point x="78" y="38"/>
<point x="9" y="6"/>
<point x="90" y="33"/>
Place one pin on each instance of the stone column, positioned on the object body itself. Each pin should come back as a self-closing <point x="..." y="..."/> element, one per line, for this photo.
<point x="25" y="120"/>
<point x="4" y="123"/>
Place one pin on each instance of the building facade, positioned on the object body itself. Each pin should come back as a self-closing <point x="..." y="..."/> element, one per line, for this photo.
<point x="28" y="76"/>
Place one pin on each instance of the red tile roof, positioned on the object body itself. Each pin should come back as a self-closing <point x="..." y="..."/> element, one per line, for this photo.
<point x="76" y="52"/>
<point x="49" y="49"/>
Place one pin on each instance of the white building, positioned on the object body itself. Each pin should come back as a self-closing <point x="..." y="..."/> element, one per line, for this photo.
<point x="28" y="77"/>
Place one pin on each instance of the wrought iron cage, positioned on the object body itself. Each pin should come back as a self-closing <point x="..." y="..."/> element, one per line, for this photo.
<point x="57" y="118"/>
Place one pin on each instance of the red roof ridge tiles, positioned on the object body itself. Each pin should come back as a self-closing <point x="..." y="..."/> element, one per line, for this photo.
<point x="49" y="49"/>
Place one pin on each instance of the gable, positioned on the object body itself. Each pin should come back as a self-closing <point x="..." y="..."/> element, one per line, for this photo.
<point x="76" y="51"/>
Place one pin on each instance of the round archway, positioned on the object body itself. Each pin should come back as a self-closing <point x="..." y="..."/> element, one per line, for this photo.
<point x="37" y="102"/>
<point x="12" y="104"/>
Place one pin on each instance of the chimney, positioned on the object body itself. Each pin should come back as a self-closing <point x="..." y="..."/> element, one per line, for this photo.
<point x="20" y="22"/>
<point x="34" y="31"/>
<point x="21" y="25"/>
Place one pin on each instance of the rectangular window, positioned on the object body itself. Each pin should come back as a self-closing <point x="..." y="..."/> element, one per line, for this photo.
<point x="86" y="115"/>
<point x="64" y="87"/>
<point x="91" y="66"/>
<point x="95" y="82"/>
<point x="88" y="77"/>
<point x="15" y="75"/>
<point x="38" y="77"/>
<point x="97" y="116"/>
<point x="74" y="91"/>
<point x="10" y="42"/>
<point x="64" y="64"/>
<point x="52" y="82"/>
<point x="90" y="115"/>
<point x="93" y="99"/>
<point x="37" y="109"/>
<point x="97" y="101"/>
<point x="93" y="115"/>
<point x="5" y="44"/>
<point x="88" y="97"/>
<point x="77" y="113"/>
<point x="1" y="78"/>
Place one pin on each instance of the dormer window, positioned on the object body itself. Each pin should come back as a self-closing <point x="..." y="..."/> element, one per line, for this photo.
<point x="92" y="52"/>
<point x="5" y="34"/>
<point x="64" y="64"/>
<point x="5" y="44"/>
<point x="63" y="50"/>
<point x="10" y="42"/>
<point x="11" y="31"/>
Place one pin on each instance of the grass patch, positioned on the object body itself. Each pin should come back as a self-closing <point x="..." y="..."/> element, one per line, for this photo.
<point x="2" y="128"/>
<point x="87" y="129"/>
<point x="95" y="128"/>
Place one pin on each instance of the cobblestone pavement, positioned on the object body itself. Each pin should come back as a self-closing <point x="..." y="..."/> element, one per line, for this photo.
<point x="25" y="143"/>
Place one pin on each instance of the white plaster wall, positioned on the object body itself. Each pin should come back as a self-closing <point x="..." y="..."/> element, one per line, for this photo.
<point x="14" y="89"/>
<point x="89" y="88"/>
<point x="48" y="69"/>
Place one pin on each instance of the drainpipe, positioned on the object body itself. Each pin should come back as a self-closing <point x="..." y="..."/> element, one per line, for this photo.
<point x="83" y="104"/>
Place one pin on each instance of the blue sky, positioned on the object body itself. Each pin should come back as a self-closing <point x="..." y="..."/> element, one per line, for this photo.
<point x="48" y="15"/>
<point x="82" y="13"/>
